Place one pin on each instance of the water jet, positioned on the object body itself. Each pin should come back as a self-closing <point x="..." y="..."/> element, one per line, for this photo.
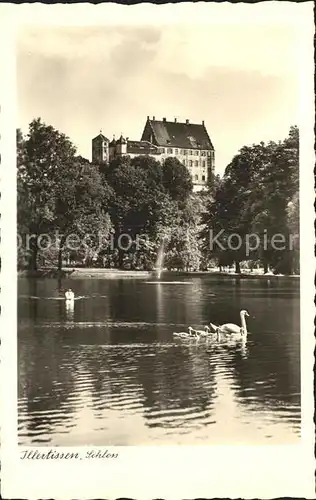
<point x="159" y="260"/>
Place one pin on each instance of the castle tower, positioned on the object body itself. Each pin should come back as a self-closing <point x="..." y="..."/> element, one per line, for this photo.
<point x="121" y="146"/>
<point x="112" y="149"/>
<point x="100" y="148"/>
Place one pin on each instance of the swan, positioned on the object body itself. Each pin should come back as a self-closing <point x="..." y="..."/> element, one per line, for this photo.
<point x="190" y="334"/>
<point x="232" y="330"/>
<point x="200" y="333"/>
<point x="213" y="327"/>
<point x="69" y="295"/>
<point x="181" y="334"/>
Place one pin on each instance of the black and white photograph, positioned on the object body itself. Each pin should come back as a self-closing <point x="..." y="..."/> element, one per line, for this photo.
<point x="159" y="241"/>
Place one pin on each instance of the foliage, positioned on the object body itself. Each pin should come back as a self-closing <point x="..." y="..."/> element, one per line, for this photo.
<point x="63" y="194"/>
<point x="177" y="179"/>
<point x="58" y="192"/>
<point x="253" y="197"/>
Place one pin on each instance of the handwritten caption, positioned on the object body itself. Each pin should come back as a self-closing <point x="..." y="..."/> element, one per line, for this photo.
<point x="51" y="454"/>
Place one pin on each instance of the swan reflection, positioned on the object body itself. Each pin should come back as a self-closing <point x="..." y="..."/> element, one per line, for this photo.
<point x="70" y="306"/>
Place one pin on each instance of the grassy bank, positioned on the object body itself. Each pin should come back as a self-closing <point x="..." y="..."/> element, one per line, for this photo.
<point x="46" y="273"/>
<point x="82" y="272"/>
<point x="92" y="272"/>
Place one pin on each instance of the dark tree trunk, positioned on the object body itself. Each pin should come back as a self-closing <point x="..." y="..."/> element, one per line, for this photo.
<point x="59" y="282"/>
<point x="237" y="267"/>
<point x="120" y="258"/>
<point x="34" y="254"/>
<point x="60" y="258"/>
<point x="60" y="253"/>
<point x="265" y="266"/>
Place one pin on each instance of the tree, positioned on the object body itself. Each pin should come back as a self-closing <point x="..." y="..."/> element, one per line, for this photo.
<point x="57" y="190"/>
<point x="177" y="179"/>
<point x="253" y="197"/>
<point x="23" y="199"/>
<point x="151" y="203"/>
<point x="81" y="206"/>
<point x="270" y="196"/>
<point x="139" y="200"/>
<point x="45" y="153"/>
<point x="182" y="236"/>
<point x="293" y="222"/>
<point x="213" y="183"/>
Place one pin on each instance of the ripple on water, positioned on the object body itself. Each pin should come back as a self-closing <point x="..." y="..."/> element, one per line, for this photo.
<point x="96" y="376"/>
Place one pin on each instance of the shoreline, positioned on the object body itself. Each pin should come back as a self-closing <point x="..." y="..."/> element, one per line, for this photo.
<point x="119" y="273"/>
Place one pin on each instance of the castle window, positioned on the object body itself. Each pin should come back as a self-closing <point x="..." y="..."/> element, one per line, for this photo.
<point x="162" y="150"/>
<point x="203" y="153"/>
<point x="169" y="151"/>
<point x="203" y="177"/>
<point x="208" y="153"/>
<point x="182" y="152"/>
<point x="196" y="163"/>
<point x="203" y="164"/>
<point x="176" y="151"/>
<point x="191" y="152"/>
<point x="197" y="152"/>
<point x="185" y="152"/>
<point x="191" y="163"/>
<point x="196" y="177"/>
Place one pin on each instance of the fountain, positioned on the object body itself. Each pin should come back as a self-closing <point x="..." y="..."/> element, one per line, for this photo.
<point x="159" y="260"/>
<point x="157" y="271"/>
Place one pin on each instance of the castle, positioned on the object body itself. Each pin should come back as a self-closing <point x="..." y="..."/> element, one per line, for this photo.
<point x="188" y="142"/>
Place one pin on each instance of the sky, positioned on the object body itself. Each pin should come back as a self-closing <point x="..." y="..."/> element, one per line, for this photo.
<point x="241" y="79"/>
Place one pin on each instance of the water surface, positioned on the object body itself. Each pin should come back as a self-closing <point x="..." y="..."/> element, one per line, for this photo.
<point x="109" y="371"/>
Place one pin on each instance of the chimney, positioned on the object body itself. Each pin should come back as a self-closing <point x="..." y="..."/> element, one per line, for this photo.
<point x="175" y="120"/>
<point x="147" y="117"/>
<point x="202" y="122"/>
<point x="154" y="118"/>
<point x="187" y="121"/>
<point x="164" y="119"/>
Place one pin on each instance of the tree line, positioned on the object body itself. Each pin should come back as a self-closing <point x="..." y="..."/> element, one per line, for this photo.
<point x="74" y="212"/>
<point x="258" y="195"/>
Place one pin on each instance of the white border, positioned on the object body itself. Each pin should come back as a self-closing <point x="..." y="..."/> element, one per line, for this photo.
<point x="165" y="472"/>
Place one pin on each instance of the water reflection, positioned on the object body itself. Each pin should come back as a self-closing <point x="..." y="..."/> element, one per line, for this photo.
<point x="70" y="310"/>
<point x="174" y="391"/>
<point x="108" y="370"/>
<point x="46" y="384"/>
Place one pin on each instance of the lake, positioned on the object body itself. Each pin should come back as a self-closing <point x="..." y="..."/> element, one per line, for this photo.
<point x="110" y="372"/>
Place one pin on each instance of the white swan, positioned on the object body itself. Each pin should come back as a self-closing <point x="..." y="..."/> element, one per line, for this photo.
<point x="214" y="328"/>
<point x="69" y="295"/>
<point x="200" y="333"/>
<point x="232" y="330"/>
<point x="190" y="334"/>
<point x="181" y="334"/>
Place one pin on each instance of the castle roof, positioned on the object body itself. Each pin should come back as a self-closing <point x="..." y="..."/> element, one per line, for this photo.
<point x="142" y="148"/>
<point x="101" y="137"/>
<point x="184" y="135"/>
<point x="121" y="140"/>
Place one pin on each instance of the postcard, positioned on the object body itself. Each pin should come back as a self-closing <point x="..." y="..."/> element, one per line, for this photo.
<point x="157" y="250"/>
